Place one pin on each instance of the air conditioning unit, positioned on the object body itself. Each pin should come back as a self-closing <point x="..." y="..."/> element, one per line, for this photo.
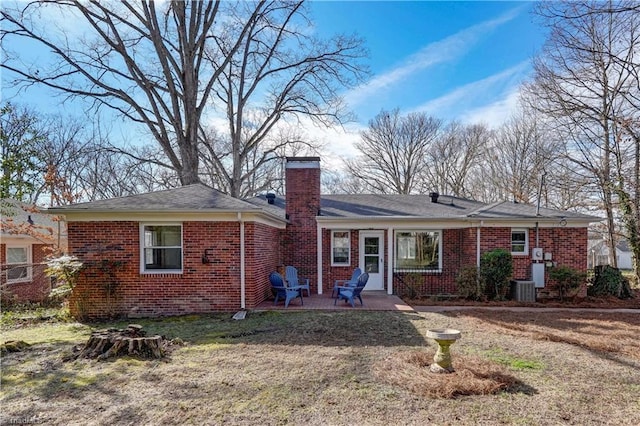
<point x="523" y="291"/>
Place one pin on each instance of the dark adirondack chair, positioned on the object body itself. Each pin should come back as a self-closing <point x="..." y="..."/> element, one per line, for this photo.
<point x="291" y="275"/>
<point x="282" y="291"/>
<point x="349" y="294"/>
<point x="351" y="282"/>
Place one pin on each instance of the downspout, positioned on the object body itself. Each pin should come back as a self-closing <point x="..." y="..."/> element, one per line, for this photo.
<point x="243" y="298"/>
<point x="390" y="260"/>
<point x="478" y="228"/>
<point x="319" y="256"/>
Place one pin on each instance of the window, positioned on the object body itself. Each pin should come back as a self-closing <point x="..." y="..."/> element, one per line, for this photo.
<point x="161" y="248"/>
<point x="18" y="260"/>
<point x="340" y="248"/>
<point x="418" y="251"/>
<point x="519" y="241"/>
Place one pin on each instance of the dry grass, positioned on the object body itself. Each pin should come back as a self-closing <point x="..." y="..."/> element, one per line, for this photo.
<point x="474" y="376"/>
<point x="319" y="368"/>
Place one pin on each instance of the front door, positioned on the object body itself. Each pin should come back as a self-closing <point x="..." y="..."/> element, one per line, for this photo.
<point x="372" y="258"/>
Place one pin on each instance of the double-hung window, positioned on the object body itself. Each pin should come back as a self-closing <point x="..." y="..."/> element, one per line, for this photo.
<point x="519" y="241"/>
<point x="340" y="248"/>
<point x="161" y="248"/>
<point x="419" y="250"/>
<point x="18" y="264"/>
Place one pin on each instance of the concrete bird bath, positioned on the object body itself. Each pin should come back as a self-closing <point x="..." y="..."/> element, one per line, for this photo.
<point x="442" y="359"/>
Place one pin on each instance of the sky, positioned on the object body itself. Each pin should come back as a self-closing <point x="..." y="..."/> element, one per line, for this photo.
<point x="451" y="60"/>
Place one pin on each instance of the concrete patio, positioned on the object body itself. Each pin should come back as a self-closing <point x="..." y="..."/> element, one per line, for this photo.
<point x="373" y="301"/>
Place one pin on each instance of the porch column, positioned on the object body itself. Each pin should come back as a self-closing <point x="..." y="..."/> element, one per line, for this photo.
<point x="319" y="257"/>
<point x="390" y="260"/>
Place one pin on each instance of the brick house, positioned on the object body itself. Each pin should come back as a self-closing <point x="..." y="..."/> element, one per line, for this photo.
<point x="27" y="238"/>
<point x="194" y="249"/>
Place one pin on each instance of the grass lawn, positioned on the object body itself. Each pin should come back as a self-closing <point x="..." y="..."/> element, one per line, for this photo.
<point x="328" y="368"/>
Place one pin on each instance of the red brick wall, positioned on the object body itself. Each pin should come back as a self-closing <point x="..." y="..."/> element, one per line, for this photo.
<point x="302" y="206"/>
<point x="200" y="288"/>
<point x="263" y="255"/>
<point x="567" y="245"/>
<point x="35" y="290"/>
<point x="332" y="273"/>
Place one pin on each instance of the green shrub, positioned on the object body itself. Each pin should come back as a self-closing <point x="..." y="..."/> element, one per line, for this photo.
<point x="469" y="284"/>
<point x="496" y="267"/>
<point x="568" y="280"/>
<point x="608" y="281"/>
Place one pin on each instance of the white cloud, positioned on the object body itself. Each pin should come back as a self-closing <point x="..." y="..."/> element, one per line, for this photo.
<point x="496" y="113"/>
<point x="434" y="53"/>
<point x="504" y="83"/>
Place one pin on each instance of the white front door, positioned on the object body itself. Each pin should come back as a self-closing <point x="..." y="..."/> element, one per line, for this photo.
<point x="372" y="258"/>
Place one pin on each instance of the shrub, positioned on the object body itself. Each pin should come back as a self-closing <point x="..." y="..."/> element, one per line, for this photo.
<point x="608" y="281"/>
<point x="496" y="267"/>
<point x="469" y="284"/>
<point x="567" y="279"/>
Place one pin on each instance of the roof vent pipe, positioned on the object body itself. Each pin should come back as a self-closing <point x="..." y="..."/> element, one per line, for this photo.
<point x="434" y="197"/>
<point x="271" y="198"/>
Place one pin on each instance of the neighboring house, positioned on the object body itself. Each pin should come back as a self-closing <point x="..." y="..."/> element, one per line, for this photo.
<point x="598" y="254"/>
<point x="194" y="249"/>
<point x="27" y="237"/>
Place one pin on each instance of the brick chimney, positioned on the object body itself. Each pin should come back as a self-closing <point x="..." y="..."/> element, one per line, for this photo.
<point x="302" y="187"/>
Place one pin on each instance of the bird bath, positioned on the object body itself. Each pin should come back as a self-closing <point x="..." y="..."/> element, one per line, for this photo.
<point x="442" y="359"/>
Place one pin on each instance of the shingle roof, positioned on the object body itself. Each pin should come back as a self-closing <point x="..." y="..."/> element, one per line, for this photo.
<point x="395" y="205"/>
<point x="420" y="206"/>
<point x="196" y="197"/>
<point x="199" y="197"/>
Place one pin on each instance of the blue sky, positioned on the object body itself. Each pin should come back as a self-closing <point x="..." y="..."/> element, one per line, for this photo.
<point x="453" y="60"/>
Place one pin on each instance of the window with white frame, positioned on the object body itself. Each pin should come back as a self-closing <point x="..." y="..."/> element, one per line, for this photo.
<point x="340" y="248"/>
<point x="18" y="264"/>
<point x="519" y="241"/>
<point x="161" y="248"/>
<point x="419" y="250"/>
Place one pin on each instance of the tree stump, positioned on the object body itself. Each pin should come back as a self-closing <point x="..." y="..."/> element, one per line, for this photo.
<point x="115" y="342"/>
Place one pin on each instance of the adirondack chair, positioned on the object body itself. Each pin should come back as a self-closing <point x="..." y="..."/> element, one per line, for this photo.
<point x="349" y="294"/>
<point x="291" y="275"/>
<point x="351" y="282"/>
<point x="282" y="291"/>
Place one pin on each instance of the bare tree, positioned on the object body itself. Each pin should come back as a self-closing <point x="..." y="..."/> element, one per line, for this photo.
<point x="393" y="152"/>
<point x="518" y="156"/>
<point x="586" y="81"/>
<point x="453" y="158"/>
<point x="280" y="73"/>
<point x="162" y="66"/>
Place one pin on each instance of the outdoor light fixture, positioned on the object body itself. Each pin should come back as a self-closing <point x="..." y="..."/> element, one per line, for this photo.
<point x="205" y="257"/>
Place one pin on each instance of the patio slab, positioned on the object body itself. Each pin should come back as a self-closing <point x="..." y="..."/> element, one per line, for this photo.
<point x="373" y="301"/>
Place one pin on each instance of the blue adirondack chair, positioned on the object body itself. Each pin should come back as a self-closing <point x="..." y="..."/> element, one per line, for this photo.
<point x="291" y="275"/>
<point x="351" y="282"/>
<point x="350" y="293"/>
<point x="282" y="291"/>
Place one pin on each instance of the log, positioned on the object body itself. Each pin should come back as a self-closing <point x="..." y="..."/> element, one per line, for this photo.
<point x="103" y="344"/>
